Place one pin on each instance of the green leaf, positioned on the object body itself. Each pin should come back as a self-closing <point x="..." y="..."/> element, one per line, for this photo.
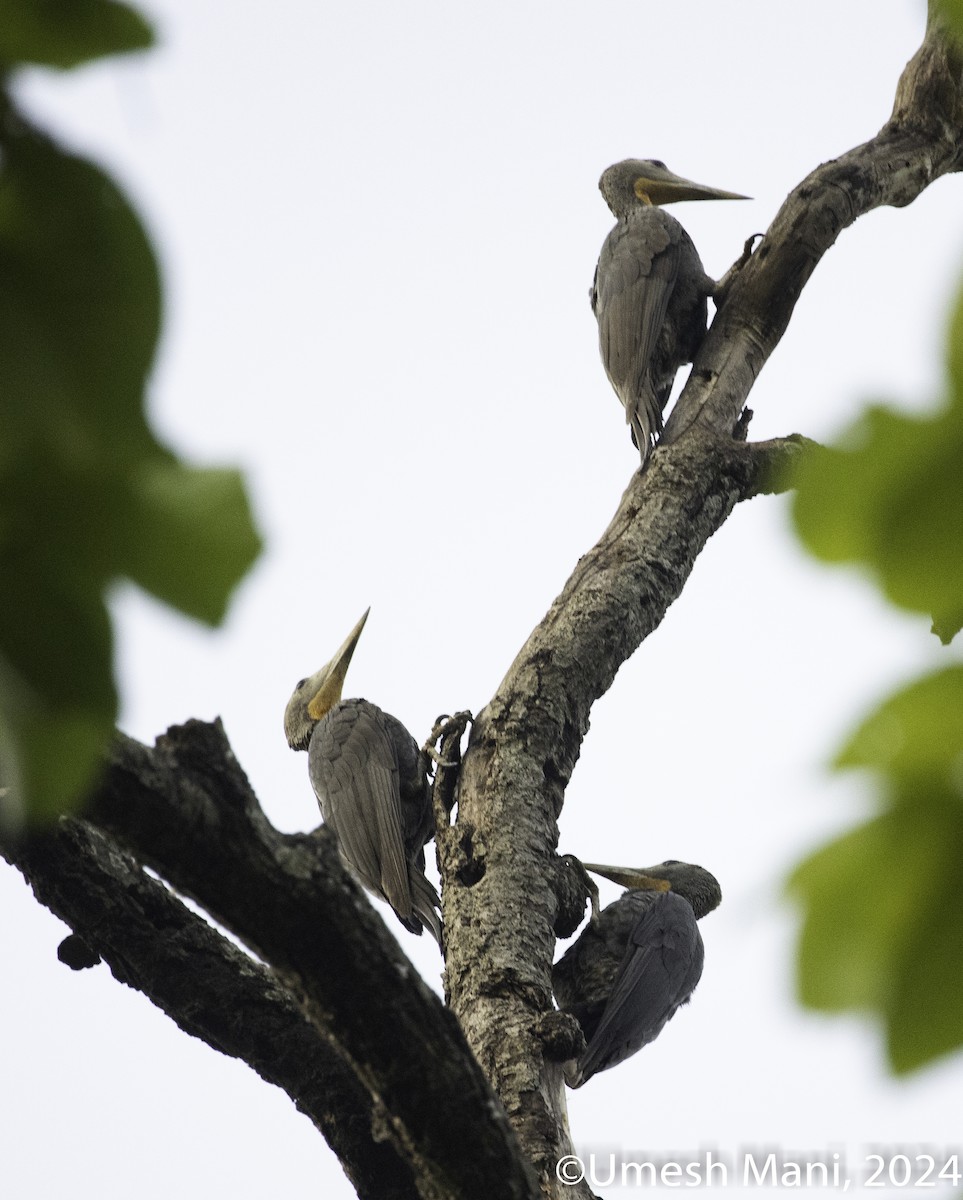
<point x="192" y="536"/>
<point x="955" y="336"/>
<point x="48" y="759"/>
<point x="882" y="912"/>
<point x="843" y="491"/>
<point x="915" y="735"/>
<point x="952" y="10"/>
<point x="872" y="875"/>
<point x="925" y="1019"/>
<point x="883" y="902"/>
<point x="889" y="495"/>
<point x="893" y="502"/>
<point x="64" y="33"/>
<point x="58" y="703"/>
<point x="884" y="909"/>
<point x="87" y="494"/>
<point x="81" y="303"/>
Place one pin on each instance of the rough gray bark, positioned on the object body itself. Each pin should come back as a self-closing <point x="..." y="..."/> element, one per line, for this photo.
<point x="921" y="141"/>
<point x="289" y="899"/>
<point x="359" y="1013"/>
<point x="525" y="743"/>
<point x="153" y="942"/>
<point x="378" y="1063"/>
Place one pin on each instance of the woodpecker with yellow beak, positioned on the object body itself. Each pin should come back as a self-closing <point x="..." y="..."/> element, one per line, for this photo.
<point x="650" y="290"/>
<point x="372" y="785"/>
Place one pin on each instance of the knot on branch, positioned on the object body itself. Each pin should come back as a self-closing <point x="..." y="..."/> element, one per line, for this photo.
<point x="463" y="853"/>
<point x="573" y="889"/>
<point x="561" y="1036"/>
<point x="74" y="952"/>
<point x="771" y="466"/>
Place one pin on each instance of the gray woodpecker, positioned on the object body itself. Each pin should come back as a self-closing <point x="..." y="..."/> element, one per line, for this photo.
<point x="650" y="290"/>
<point x="371" y="781"/>
<point x="637" y="964"/>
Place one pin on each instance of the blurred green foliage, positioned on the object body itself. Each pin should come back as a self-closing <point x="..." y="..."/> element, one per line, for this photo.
<point x="952" y="10"/>
<point x="883" y="930"/>
<point x="87" y="494"/>
<point x="884" y="921"/>
<point x="889" y="495"/>
<point x="64" y="33"/>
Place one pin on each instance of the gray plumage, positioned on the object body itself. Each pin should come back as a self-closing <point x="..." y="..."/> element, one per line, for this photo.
<point x="650" y="290"/>
<point x="371" y="782"/>
<point x="630" y="972"/>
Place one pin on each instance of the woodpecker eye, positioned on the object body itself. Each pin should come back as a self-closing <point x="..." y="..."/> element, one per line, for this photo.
<point x="300" y="684"/>
<point x="657" y="162"/>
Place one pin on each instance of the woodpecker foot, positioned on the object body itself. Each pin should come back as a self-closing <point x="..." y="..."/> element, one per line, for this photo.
<point x="446" y="729"/>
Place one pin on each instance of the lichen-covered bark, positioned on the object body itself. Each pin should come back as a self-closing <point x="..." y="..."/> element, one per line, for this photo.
<point x="496" y="859"/>
<point x="922" y="140"/>
<point x="521" y="754"/>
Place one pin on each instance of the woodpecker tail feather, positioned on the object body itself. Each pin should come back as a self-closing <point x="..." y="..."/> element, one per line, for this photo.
<point x="426" y="902"/>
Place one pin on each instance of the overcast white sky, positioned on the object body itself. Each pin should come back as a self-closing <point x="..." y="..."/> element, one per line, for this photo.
<point x="378" y="224"/>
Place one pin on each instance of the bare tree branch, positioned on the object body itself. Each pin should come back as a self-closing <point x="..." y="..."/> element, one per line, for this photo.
<point x="186" y="810"/>
<point x="770" y="464"/>
<point x="497" y="859"/>
<point x="922" y="140"/>
<point x="215" y="992"/>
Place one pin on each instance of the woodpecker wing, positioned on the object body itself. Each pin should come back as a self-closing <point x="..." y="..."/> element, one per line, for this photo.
<point x="354" y="770"/>
<point x="662" y="965"/>
<point x="634" y="279"/>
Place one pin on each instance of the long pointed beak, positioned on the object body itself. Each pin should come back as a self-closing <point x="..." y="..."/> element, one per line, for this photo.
<point x="329" y="681"/>
<point x="630" y="877"/>
<point x="672" y="187"/>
